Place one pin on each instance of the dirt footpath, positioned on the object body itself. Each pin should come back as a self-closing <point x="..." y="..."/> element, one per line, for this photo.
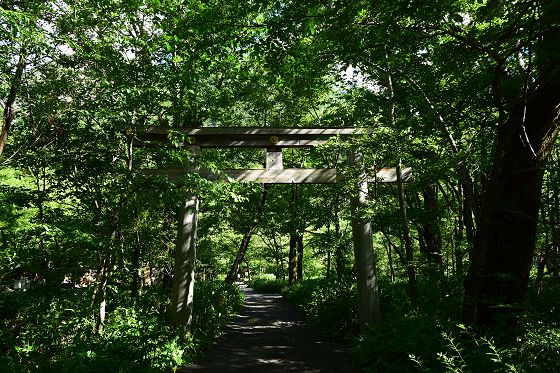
<point x="268" y="335"/>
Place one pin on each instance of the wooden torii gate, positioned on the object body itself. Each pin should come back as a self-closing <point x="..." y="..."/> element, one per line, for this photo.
<point x="273" y="140"/>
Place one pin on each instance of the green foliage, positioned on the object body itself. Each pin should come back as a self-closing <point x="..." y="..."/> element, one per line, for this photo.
<point x="55" y="332"/>
<point x="330" y="306"/>
<point x="215" y="302"/>
<point x="267" y="283"/>
<point x="388" y="346"/>
<point x="429" y="339"/>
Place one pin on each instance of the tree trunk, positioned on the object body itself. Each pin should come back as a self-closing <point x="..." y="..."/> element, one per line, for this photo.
<point x="292" y="259"/>
<point x="369" y="312"/>
<point x="496" y="282"/>
<point x="390" y="259"/>
<point x="10" y="101"/>
<point x="135" y="285"/>
<point x="183" y="273"/>
<point x="430" y="227"/>
<point x="232" y="274"/>
<point x="278" y="258"/>
<point x="410" y="268"/>
<point x="102" y="291"/>
<point x="299" y="244"/>
<point x="248" y="267"/>
<point x="338" y="253"/>
<point x="553" y="259"/>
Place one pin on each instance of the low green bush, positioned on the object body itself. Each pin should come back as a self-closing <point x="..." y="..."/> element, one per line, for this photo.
<point x="429" y="338"/>
<point x="267" y="284"/>
<point x="330" y="306"/>
<point x="56" y="332"/>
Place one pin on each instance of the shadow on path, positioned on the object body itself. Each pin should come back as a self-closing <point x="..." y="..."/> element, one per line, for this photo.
<point x="269" y="336"/>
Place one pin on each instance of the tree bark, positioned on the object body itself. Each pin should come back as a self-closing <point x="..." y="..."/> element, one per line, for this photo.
<point x="102" y="291"/>
<point x="232" y="274"/>
<point x="410" y="268"/>
<point x="292" y="259"/>
<point x="430" y="228"/>
<point x="183" y="273"/>
<point x="299" y="244"/>
<point x="8" y="116"/>
<point x="497" y="279"/>
<point x="390" y="259"/>
<point x="369" y="312"/>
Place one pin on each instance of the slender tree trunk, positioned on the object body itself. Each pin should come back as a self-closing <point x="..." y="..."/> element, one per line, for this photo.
<point x="541" y="262"/>
<point x="102" y="293"/>
<point x="292" y="259"/>
<point x="410" y="267"/>
<point x="397" y="250"/>
<point x="431" y="229"/>
<point x="553" y="262"/>
<point x="328" y="275"/>
<point x="369" y="311"/>
<point x="248" y="267"/>
<point x="458" y="236"/>
<point x="431" y="234"/>
<point x="277" y="258"/>
<point x="390" y="259"/>
<point x="232" y="274"/>
<point x="8" y="116"/>
<point x="135" y="286"/>
<point x="338" y="253"/>
<point x="299" y="244"/>
<point x="183" y="274"/>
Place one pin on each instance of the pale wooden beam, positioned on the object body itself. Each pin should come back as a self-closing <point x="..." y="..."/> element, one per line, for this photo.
<point x="285" y="176"/>
<point x="258" y="131"/>
<point x="235" y="137"/>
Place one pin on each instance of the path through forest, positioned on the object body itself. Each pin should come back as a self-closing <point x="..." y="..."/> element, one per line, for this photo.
<point x="268" y="335"/>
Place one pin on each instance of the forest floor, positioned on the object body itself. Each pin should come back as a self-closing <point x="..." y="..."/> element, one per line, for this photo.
<point x="268" y="335"/>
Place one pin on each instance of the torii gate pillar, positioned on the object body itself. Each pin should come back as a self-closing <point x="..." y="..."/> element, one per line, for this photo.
<point x="185" y="257"/>
<point x="369" y="312"/>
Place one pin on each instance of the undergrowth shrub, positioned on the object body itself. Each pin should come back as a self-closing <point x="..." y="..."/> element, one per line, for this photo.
<point x="267" y="284"/>
<point x="429" y="338"/>
<point x="55" y="332"/>
<point x="330" y="306"/>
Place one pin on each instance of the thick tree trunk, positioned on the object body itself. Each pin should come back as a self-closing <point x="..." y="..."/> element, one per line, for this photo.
<point x="369" y="312"/>
<point x="232" y="274"/>
<point x="498" y="274"/>
<point x="183" y="273"/>
<point x="10" y="101"/>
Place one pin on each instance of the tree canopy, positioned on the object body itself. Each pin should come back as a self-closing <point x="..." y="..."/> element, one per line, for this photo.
<point x="465" y="92"/>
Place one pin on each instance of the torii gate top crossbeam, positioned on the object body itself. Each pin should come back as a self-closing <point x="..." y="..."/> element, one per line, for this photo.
<point x="253" y="137"/>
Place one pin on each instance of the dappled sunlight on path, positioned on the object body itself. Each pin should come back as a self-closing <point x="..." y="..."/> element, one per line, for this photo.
<point x="269" y="336"/>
